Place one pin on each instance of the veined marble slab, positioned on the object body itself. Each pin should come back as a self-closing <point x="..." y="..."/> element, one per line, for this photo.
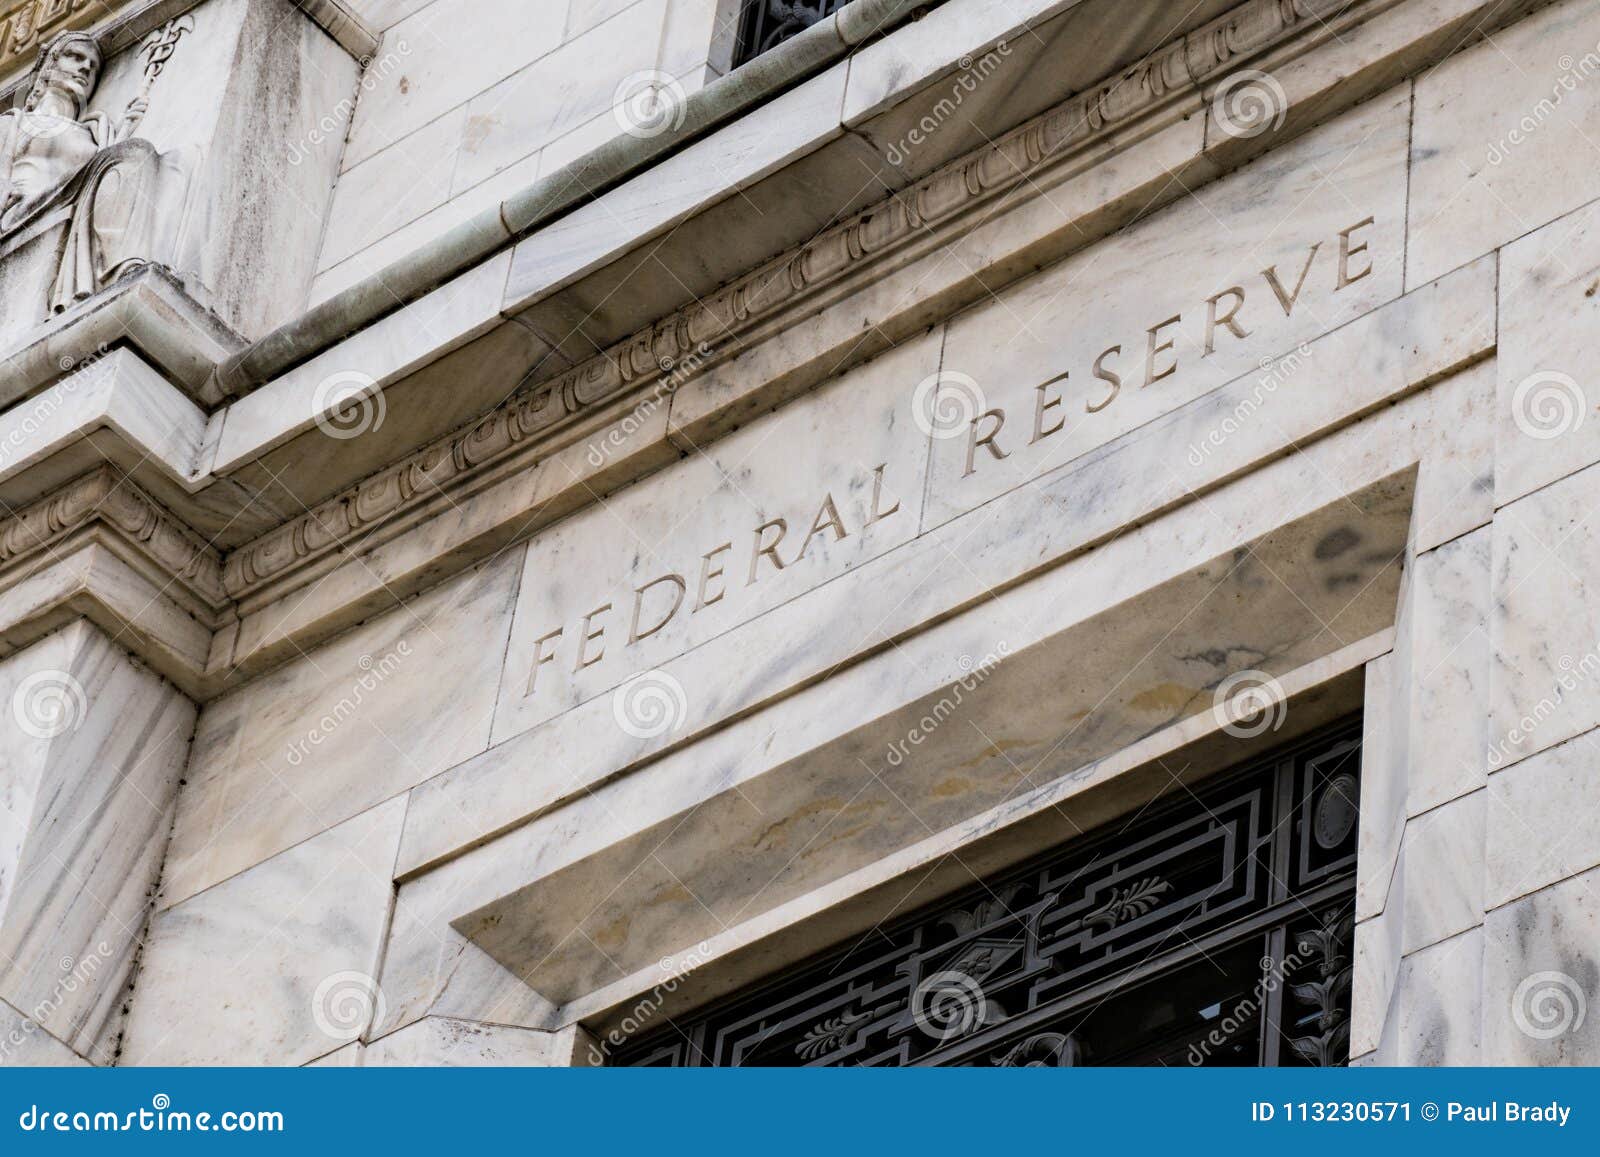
<point x="1543" y="822"/>
<point x="1547" y="407"/>
<point x="1292" y="246"/>
<point x="1504" y="138"/>
<point x="1439" y="999"/>
<point x="1383" y="777"/>
<point x="275" y="966"/>
<point x="93" y="745"/>
<point x="329" y="736"/>
<point x="1448" y="680"/>
<point x="441" y="1041"/>
<point x="1545" y="627"/>
<point x="696" y="550"/>
<point x="1377" y="964"/>
<point x="23" y="1044"/>
<point x="1442" y="871"/>
<point x="430" y="969"/>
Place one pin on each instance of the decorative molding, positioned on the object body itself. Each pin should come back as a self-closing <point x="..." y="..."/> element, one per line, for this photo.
<point x="25" y="24"/>
<point x="709" y="330"/>
<point x="105" y="496"/>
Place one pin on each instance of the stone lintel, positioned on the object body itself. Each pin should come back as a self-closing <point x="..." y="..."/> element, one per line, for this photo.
<point x="739" y="841"/>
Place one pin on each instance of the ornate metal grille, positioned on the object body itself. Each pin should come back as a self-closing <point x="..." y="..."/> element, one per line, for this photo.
<point x="1212" y="929"/>
<point x="766" y="24"/>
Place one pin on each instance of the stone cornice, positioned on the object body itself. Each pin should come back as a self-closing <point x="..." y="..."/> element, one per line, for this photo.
<point x="104" y="497"/>
<point x="709" y="330"/>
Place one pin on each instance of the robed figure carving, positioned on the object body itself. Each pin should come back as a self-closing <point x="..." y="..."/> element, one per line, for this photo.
<point x="54" y="153"/>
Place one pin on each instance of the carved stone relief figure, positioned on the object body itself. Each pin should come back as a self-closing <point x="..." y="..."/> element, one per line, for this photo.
<point x="56" y="154"/>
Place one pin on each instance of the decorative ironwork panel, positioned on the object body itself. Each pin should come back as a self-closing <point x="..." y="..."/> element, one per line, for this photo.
<point x="1213" y="928"/>
<point x="765" y="24"/>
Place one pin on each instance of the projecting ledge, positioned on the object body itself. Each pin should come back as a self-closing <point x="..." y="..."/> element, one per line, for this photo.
<point x="1077" y="665"/>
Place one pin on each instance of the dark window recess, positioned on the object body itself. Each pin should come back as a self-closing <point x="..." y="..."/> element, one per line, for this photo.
<point x="1211" y="928"/>
<point x="765" y="24"/>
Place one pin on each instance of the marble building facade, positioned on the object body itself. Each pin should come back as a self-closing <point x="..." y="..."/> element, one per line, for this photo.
<point x="523" y="520"/>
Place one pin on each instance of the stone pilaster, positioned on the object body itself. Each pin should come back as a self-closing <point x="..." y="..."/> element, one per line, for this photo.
<point x="91" y="751"/>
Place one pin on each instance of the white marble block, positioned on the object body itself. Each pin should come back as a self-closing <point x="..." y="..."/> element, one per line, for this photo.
<point x="93" y="747"/>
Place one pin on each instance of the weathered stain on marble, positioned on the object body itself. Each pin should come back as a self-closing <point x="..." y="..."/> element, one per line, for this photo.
<point x="1540" y="966"/>
<point x="1438" y="999"/>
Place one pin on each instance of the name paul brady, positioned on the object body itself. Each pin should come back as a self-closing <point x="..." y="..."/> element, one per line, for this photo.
<point x="1511" y="1112"/>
